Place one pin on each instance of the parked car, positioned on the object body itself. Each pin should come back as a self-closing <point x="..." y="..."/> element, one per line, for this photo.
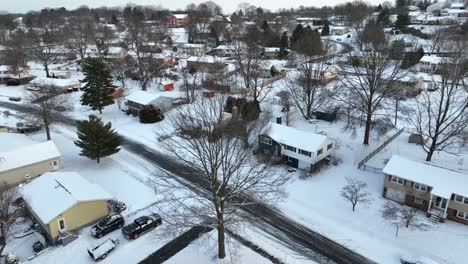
<point x="14" y="99"/>
<point x="408" y="259"/>
<point x="27" y="128"/>
<point x="38" y="246"/>
<point x="100" y="251"/>
<point x="141" y="225"/>
<point x="107" y="224"/>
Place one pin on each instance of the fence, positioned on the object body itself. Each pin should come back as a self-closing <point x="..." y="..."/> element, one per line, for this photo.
<point x="379" y="148"/>
<point x="368" y="168"/>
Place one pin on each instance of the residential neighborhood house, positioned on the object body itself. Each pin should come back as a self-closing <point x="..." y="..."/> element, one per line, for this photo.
<point x="440" y="192"/>
<point x="64" y="201"/>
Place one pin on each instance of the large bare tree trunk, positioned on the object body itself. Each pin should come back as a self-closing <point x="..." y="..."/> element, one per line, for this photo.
<point x="221" y="238"/>
<point x="368" y="126"/>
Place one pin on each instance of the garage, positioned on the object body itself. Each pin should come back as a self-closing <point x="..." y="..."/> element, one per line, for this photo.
<point x="395" y="195"/>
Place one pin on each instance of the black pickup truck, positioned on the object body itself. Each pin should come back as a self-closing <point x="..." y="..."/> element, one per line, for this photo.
<point x="141" y="225"/>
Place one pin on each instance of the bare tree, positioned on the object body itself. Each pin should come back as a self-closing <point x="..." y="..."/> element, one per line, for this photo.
<point x="189" y="83"/>
<point x="355" y="192"/>
<point x="45" y="48"/>
<point x="403" y="216"/>
<point x="48" y="106"/>
<point x="370" y="78"/>
<point x="248" y="57"/>
<point x="8" y="213"/>
<point x="80" y="34"/>
<point x="145" y="41"/>
<point x="440" y="116"/>
<point x="285" y="98"/>
<point x="221" y="162"/>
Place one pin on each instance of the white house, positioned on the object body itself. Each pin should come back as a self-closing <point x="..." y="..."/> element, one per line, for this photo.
<point x="67" y="85"/>
<point x="224" y="50"/>
<point x="116" y="53"/>
<point x="193" y="49"/>
<point x="301" y="149"/>
<point x="429" y="63"/>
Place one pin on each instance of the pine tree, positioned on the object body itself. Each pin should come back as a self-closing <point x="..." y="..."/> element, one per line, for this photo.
<point x="114" y="20"/>
<point x="326" y="29"/>
<point x="97" y="140"/>
<point x="284" y="44"/>
<point x="98" y="88"/>
<point x="297" y="34"/>
<point x="403" y="20"/>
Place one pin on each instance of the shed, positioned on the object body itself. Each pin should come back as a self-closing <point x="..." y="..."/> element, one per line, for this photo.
<point x="64" y="201"/>
<point x="166" y="86"/>
<point x="137" y="100"/>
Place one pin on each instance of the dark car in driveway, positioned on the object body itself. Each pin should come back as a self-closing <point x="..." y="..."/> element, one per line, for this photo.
<point x="107" y="224"/>
<point x="141" y="225"/>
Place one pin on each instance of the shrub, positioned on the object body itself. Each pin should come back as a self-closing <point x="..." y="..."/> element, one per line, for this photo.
<point x="150" y="115"/>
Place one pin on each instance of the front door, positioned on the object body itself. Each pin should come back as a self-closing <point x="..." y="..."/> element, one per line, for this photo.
<point x="440" y="203"/>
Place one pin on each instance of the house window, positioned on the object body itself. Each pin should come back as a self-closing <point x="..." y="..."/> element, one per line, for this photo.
<point x="398" y="180"/>
<point x="418" y="200"/>
<point x="305" y="153"/>
<point x="319" y="152"/>
<point x="266" y="140"/>
<point x="461" y="199"/>
<point x="293" y="149"/>
<point x="61" y="224"/>
<point x="419" y="186"/>
<point x="463" y="215"/>
<point x="330" y="146"/>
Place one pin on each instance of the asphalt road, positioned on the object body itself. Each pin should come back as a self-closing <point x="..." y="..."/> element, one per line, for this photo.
<point x="300" y="239"/>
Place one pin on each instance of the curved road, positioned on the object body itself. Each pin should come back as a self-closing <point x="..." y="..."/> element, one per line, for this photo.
<point x="299" y="238"/>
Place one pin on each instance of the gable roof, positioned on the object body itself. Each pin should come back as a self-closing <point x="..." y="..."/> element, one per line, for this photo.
<point x="28" y="155"/>
<point x="444" y="182"/>
<point x="55" y="192"/>
<point x="293" y="137"/>
<point x="142" y="97"/>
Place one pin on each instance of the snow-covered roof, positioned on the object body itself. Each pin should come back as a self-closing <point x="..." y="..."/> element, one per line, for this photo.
<point x="271" y="49"/>
<point x="55" y="192"/>
<point x="40" y="81"/>
<point x="457" y="6"/>
<point x="166" y="82"/>
<point x="189" y="45"/>
<point x="27" y="155"/>
<point x="180" y="16"/>
<point x="293" y="137"/>
<point x="431" y="59"/>
<point x="444" y="182"/>
<point x="11" y="141"/>
<point x="142" y="97"/>
<point x="205" y="59"/>
<point x="225" y="47"/>
<point x="116" y="50"/>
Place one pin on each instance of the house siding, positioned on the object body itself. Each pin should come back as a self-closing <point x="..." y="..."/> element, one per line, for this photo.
<point x="78" y="216"/>
<point x="16" y="176"/>
<point x="411" y="194"/>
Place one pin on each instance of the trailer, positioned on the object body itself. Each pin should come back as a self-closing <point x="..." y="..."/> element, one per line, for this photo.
<point x="100" y="251"/>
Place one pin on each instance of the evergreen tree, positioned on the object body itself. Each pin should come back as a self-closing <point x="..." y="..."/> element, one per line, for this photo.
<point x="98" y="88"/>
<point x="96" y="139"/>
<point x="265" y="27"/>
<point x="284" y="44"/>
<point x="297" y="34"/>
<point x="402" y="22"/>
<point x="150" y="115"/>
<point x="114" y="20"/>
<point x="326" y="29"/>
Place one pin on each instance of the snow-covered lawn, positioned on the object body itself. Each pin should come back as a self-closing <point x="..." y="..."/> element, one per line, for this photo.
<point x="204" y="251"/>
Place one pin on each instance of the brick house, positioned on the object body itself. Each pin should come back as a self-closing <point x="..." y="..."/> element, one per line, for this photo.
<point x="178" y="20"/>
<point x="440" y="192"/>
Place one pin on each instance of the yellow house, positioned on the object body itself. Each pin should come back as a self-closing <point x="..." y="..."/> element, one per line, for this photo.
<point x="64" y="201"/>
<point x="3" y="129"/>
<point x="27" y="161"/>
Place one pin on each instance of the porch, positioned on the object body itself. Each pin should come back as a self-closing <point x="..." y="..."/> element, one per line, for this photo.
<point x="437" y="209"/>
